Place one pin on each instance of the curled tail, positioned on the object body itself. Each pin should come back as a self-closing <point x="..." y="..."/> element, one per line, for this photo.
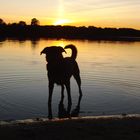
<point x="74" y="50"/>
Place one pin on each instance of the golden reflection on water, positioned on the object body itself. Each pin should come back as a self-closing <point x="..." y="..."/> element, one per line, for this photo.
<point x="86" y="49"/>
<point x="109" y="72"/>
<point x="117" y="52"/>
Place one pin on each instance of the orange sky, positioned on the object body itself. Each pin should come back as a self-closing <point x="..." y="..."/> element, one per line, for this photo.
<point x="100" y="13"/>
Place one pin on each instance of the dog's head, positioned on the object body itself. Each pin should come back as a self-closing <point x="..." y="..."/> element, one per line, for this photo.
<point x="53" y="53"/>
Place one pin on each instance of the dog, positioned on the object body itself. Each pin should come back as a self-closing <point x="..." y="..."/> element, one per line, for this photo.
<point x="60" y="70"/>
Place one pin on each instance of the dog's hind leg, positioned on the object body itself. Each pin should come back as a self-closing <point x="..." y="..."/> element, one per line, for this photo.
<point x="69" y="97"/>
<point x="51" y="85"/>
<point x="62" y="93"/>
<point x="75" y="112"/>
<point x="78" y="80"/>
<point x="62" y="113"/>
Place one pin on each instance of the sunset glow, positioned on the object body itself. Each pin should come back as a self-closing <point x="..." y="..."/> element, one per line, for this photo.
<point x="62" y="22"/>
<point x="99" y="13"/>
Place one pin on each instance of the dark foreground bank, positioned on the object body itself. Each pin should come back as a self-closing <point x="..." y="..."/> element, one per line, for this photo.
<point x="87" y="128"/>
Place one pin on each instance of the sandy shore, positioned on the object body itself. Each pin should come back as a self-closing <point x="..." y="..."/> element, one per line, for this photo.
<point x="83" y="128"/>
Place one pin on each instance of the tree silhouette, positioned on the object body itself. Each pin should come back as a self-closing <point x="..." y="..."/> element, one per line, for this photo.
<point x="34" y="22"/>
<point x="22" y="23"/>
<point x="34" y="30"/>
<point x="2" y="22"/>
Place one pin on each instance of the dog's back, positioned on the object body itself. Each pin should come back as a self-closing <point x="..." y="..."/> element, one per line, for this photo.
<point x="61" y="69"/>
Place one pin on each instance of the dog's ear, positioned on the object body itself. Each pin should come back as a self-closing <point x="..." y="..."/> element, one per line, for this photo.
<point x="44" y="51"/>
<point x="61" y="50"/>
<point x="52" y="49"/>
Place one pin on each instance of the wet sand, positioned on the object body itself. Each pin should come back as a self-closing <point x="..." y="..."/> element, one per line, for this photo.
<point x="82" y="128"/>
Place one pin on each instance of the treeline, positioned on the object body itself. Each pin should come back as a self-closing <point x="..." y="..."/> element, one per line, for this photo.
<point x="23" y="31"/>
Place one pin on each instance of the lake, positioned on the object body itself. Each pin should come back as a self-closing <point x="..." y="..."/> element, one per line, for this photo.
<point x="110" y="73"/>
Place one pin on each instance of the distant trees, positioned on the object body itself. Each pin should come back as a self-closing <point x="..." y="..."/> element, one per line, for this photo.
<point x="35" y="22"/>
<point x="22" y="23"/>
<point x="22" y="30"/>
<point x="2" y="22"/>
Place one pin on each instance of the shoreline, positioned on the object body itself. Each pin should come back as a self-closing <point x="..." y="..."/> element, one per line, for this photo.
<point x="46" y="120"/>
<point x="84" y="128"/>
<point x="119" y="38"/>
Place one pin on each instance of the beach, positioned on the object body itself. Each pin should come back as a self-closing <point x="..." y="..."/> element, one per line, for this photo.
<point x="84" y="128"/>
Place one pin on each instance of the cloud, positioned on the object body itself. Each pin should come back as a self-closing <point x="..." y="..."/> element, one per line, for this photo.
<point x="88" y="5"/>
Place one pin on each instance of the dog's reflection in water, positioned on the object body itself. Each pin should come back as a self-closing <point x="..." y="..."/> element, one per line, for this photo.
<point x="60" y="70"/>
<point x="62" y="112"/>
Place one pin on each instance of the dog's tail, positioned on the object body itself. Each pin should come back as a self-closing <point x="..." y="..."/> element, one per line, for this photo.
<point x="74" y="50"/>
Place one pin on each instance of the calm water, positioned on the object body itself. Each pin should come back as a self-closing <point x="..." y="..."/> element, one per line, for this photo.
<point x="110" y="73"/>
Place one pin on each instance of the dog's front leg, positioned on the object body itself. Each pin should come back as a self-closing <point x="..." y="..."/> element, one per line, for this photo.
<point x="69" y="98"/>
<point x="51" y="85"/>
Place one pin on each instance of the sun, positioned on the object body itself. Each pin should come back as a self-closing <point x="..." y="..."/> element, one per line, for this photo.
<point x="62" y="22"/>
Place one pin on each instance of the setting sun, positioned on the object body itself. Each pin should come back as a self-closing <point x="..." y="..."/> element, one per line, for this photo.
<point x="62" y="22"/>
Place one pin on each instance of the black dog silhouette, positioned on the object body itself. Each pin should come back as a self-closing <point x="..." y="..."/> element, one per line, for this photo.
<point x="60" y="70"/>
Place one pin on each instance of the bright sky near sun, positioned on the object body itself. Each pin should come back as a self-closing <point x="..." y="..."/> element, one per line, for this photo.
<point x="99" y="13"/>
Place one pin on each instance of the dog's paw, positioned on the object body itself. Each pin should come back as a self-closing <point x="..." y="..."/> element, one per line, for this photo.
<point x="50" y="117"/>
